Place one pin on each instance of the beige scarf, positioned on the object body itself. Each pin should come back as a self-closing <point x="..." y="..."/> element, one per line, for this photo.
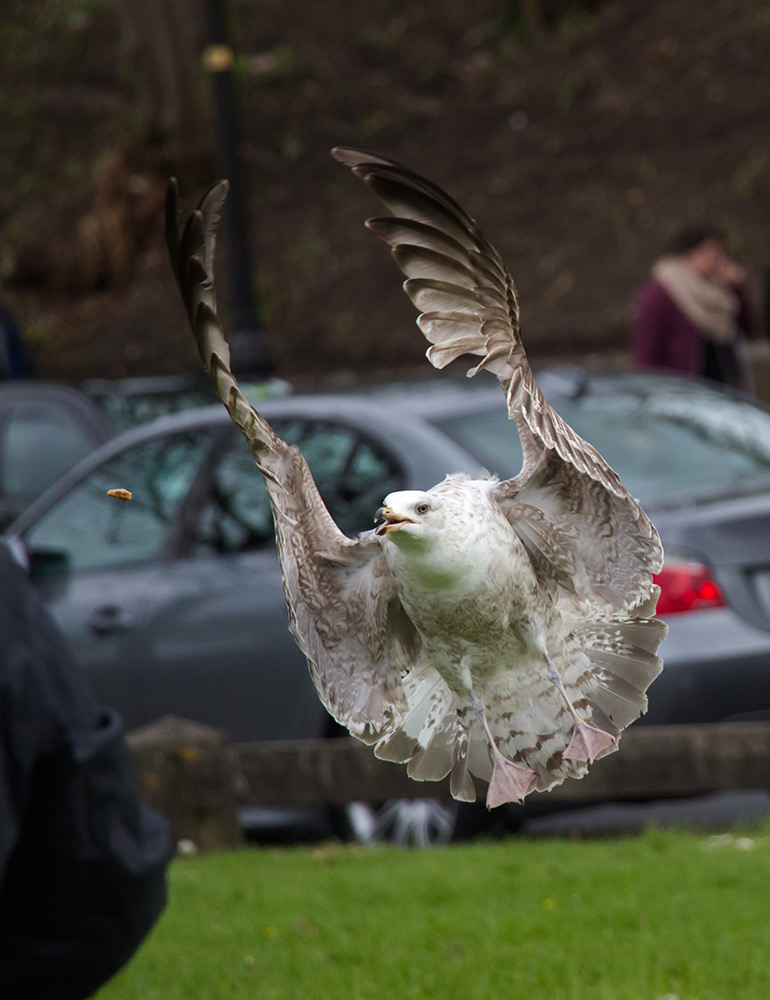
<point x="711" y="307"/>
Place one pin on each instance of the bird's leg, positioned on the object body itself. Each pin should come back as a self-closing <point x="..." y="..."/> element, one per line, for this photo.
<point x="460" y="782"/>
<point x="587" y="741"/>
<point x="510" y="781"/>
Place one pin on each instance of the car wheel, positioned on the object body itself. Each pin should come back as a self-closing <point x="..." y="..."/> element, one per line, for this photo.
<point x="402" y="822"/>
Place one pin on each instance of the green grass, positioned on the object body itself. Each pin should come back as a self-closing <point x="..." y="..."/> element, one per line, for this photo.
<point x="658" y="916"/>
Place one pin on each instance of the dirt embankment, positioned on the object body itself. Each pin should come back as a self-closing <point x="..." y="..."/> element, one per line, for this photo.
<point x="579" y="153"/>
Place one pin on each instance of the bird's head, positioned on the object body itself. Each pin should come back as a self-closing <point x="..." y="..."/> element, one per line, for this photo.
<point x="409" y="516"/>
<point x="446" y="516"/>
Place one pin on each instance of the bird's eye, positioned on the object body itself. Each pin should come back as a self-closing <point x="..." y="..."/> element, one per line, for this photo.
<point x="422" y="508"/>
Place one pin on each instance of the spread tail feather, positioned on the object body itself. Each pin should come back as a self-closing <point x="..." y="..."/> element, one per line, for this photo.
<point x="606" y="678"/>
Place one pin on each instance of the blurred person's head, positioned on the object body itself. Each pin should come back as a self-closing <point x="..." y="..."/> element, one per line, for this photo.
<point x="702" y="247"/>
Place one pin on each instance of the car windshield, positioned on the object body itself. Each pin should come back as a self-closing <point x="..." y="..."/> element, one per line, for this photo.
<point x="668" y="447"/>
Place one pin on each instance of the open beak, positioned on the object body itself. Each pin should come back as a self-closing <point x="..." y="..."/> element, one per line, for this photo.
<point x="386" y="520"/>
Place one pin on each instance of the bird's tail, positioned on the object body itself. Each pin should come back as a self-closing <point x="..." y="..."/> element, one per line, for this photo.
<point x="606" y="670"/>
<point x="437" y="735"/>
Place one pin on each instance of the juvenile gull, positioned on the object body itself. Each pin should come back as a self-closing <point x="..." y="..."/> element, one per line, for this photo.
<point x="501" y="629"/>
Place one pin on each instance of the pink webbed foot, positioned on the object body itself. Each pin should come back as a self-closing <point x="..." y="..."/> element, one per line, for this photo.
<point x="587" y="743"/>
<point x="509" y="783"/>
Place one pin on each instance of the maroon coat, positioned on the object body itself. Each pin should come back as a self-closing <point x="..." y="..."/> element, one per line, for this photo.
<point x="664" y="337"/>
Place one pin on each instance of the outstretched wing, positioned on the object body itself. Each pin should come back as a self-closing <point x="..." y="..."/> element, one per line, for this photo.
<point x="343" y="610"/>
<point x="468" y="304"/>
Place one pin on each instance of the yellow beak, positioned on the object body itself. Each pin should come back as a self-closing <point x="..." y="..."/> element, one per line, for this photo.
<point x="388" y="520"/>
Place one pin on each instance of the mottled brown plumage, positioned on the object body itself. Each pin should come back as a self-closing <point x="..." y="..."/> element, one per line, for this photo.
<point x="488" y="628"/>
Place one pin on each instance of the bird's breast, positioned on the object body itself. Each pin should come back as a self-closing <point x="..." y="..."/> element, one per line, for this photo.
<point x="476" y="604"/>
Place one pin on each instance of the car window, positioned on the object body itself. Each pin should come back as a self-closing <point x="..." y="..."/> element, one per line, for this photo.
<point x="236" y="515"/>
<point x="667" y="447"/>
<point x="131" y="409"/>
<point x="489" y="436"/>
<point x="39" y="444"/>
<point x="365" y="482"/>
<point x="87" y="529"/>
<point x="352" y="474"/>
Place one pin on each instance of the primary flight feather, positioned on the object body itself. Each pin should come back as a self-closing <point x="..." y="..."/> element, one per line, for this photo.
<point x="502" y="629"/>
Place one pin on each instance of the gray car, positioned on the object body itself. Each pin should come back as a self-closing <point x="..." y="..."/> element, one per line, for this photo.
<point x="172" y="602"/>
<point x="46" y="428"/>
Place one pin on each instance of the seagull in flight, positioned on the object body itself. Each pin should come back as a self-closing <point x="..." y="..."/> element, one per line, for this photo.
<point x="502" y="629"/>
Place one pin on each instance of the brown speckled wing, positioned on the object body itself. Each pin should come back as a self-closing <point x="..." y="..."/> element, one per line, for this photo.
<point x="343" y="610"/>
<point x="468" y="304"/>
<point x="613" y="545"/>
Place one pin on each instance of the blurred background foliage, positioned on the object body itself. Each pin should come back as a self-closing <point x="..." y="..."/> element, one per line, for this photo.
<point x="580" y="134"/>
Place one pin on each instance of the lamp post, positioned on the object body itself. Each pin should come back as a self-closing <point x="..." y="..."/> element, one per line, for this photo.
<point x="247" y="341"/>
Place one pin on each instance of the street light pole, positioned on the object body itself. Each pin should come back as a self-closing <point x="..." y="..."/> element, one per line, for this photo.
<point x="247" y="340"/>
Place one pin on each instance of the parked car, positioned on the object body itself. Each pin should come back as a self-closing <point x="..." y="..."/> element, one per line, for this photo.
<point x="173" y="601"/>
<point x="46" y="428"/>
<point x="128" y="402"/>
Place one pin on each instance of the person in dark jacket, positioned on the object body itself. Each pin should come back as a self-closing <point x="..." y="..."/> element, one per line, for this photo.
<point x="82" y="863"/>
<point x="694" y="315"/>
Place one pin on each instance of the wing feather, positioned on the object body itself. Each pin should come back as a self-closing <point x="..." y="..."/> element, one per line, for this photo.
<point x="404" y="231"/>
<point x="443" y="327"/>
<point x="429" y="296"/>
<point x="343" y="610"/>
<point x="449" y="261"/>
<point x="420" y="262"/>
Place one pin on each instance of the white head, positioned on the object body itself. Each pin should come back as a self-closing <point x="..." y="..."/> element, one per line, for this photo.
<point x="417" y="519"/>
<point x="409" y="516"/>
<point x="444" y="539"/>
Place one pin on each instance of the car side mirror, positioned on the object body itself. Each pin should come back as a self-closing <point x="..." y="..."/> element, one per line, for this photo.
<point x="47" y="563"/>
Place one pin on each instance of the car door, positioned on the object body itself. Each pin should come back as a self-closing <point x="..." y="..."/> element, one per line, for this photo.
<point x="97" y="560"/>
<point x="217" y="642"/>
<point x="173" y="602"/>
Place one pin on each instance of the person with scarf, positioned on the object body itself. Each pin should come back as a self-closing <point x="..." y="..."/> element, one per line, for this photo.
<point x="694" y="315"/>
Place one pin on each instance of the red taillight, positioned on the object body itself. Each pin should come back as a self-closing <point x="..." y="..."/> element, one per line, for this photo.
<point x="686" y="587"/>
